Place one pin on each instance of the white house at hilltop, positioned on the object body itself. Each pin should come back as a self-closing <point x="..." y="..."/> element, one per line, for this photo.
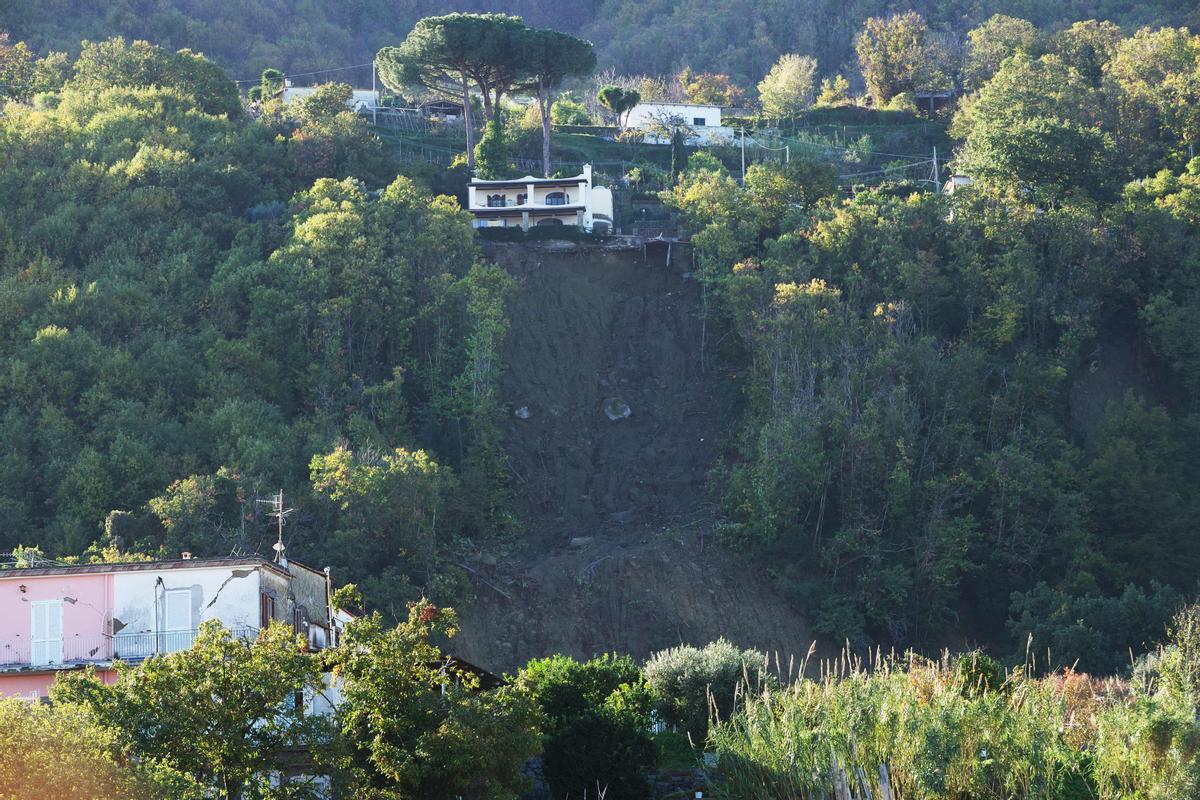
<point x="703" y="122"/>
<point x="529" y="202"/>
<point x="361" y="100"/>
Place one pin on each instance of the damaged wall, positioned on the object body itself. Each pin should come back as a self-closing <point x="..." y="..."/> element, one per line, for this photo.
<point x="228" y="594"/>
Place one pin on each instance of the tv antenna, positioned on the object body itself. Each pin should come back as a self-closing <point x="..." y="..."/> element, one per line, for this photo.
<point x="280" y="513"/>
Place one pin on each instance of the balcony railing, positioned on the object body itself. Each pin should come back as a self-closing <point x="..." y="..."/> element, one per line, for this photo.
<point x="21" y="653"/>
<point x="511" y="203"/>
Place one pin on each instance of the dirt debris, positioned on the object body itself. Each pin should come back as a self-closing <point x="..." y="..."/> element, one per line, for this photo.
<point x="611" y="436"/>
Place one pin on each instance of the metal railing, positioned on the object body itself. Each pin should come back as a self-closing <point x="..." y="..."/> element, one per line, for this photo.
<point x="22" y="653"/>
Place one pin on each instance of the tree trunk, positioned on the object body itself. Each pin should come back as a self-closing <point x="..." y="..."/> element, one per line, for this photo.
<point x="467" y="124"/>
<point x="488" y="110"/>
<point x="544" y="106"/>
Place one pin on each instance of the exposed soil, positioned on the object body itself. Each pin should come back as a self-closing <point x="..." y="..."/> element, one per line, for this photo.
<point x="611" y="436"/>
<point x="610" y="417"/>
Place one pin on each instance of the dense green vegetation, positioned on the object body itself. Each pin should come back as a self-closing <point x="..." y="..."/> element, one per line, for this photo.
<point x="964" y="727"/>
<point x="960" y="416"/>
<point x="967" y="410"/>
<point x="200" y="308"/>
<point x="740" y="38"/>
<point x="219" y="719"/>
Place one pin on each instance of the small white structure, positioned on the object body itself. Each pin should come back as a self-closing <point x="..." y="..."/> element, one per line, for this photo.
<point x="529" y="202"/>
<point x="957" y="182"/>
<point x="361" y="100"/>
<point x="702" y="122"/>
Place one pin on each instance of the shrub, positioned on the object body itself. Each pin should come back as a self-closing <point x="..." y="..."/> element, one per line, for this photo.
<point x="597" y="724"/>
<point x="601" y="752"/>
<point x="683" y="680"/>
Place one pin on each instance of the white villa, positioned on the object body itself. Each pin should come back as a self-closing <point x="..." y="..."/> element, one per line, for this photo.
<point x="703" y="121"/>
<point x="528" y="202"/>
<point x="360" y="100"/>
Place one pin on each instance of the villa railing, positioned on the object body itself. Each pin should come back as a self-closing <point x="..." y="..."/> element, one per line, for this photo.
<point x="22" y="653"/>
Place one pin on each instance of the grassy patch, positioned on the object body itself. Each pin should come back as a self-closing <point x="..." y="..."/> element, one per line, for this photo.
<point x="675" y="751"/>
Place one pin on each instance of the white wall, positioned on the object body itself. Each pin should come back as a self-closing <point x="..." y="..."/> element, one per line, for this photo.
<point x="361" y="99"/>
<point x="227" y="594"/>
<point x="645" y="113"/>
<point x="601" y="202"/>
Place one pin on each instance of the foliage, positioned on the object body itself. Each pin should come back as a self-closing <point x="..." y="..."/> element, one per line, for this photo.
<point x="928" y="730"/>
<point x="201" y="303"/>
<point x="1093" y="629"/>
<point x="418" y="727"/>
<point x="1146" y="747"/>
<point x="916" y="457"/>
<point x="218" y="712"/>
<point x="688" y="682"/>
<point x="788" y="88"/>
<point x="1034" y="127"/>
<point x="619" y="101"/>
<point x="896" y="55"/>
<point x="448" y="54"/>
<point x="835" y="91"/>
<point x="549" y="59"/>
<point x="569" y="112"/>
<point x="492" y="159"/>
<point x="997" y="38"/>
<point x="709" y="89"/>
<point x="1087" y="47"/>
<point x="597" y="724"/>
<point x="62" y="750"/>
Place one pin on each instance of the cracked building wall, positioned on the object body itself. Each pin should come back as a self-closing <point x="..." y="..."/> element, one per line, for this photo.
<point x="184" y="599"/>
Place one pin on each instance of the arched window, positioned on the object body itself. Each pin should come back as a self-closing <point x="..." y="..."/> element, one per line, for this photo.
<point x="496" y="201"/>
<point x="556" y="199"/>
<point x="522" y="198"/>
<point x="550" y="221"/>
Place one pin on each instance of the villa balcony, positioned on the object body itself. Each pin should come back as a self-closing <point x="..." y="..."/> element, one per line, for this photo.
<point x="21" y="653"/>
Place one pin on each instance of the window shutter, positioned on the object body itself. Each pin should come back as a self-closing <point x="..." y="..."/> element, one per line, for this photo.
<point x="179" y="610"/>
<point x="267" y="610"/>
<point x="46" y="641"/>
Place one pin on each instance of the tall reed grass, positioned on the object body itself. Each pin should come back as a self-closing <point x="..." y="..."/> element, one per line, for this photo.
<point x="962" y="728"/>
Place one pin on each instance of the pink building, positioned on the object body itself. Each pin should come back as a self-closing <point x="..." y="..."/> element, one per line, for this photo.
<point x="59" y="618"/>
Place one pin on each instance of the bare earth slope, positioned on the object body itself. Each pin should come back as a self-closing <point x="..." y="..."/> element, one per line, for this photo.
<point x="610" y="437"/>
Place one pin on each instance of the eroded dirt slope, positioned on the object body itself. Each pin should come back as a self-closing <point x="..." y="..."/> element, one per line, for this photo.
<point x="611" y="435"/>
<point x="611" y="420"/>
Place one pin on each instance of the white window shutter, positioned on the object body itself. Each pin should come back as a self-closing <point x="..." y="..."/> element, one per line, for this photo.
<point x="179" y="610"/>
<point x="46" y="640"/>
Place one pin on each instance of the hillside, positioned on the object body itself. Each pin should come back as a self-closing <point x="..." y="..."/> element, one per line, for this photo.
<point x="879" y="413"/>
<point x="618" y="508"/>
<point x="741" y="38"/>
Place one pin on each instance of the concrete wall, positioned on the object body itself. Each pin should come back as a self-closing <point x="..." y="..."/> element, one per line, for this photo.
<point x="644" y="114"/>
<point x="36" y="685"/>
<point x="228" y="594"/>
<point x="85" y="602"/>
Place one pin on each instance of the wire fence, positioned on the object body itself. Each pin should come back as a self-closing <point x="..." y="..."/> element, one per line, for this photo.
<point x="856" y="166"/>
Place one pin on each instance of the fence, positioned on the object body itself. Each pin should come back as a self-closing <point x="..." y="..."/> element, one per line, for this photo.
<point x="23" y="653"/>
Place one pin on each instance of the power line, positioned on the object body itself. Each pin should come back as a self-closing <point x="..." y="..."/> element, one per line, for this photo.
<point x="306" y="74"/>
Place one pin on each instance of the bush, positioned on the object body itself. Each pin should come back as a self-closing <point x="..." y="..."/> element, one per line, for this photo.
<point x="597" y="725"/>
<point x="602" y="752"/>
<point x="682" y="680"/>
<point x="569" y="112"/>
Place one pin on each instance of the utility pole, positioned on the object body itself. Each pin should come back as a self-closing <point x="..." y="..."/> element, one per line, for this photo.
<point x="937" y="174"/>
<point x="743" y="155"/>
<point x="375" y="102"/>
